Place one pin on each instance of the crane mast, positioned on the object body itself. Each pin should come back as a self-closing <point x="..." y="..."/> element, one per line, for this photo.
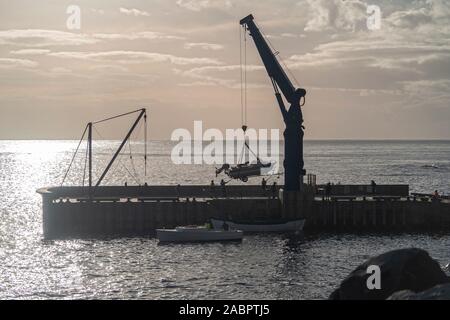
<point x="293" y="134"/>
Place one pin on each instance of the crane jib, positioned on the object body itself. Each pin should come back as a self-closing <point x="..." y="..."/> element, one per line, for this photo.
<point x="272" y="65"/>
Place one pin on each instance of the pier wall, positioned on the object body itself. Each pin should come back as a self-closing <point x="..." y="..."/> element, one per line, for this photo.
<point x="141" y="218"/>
<point x="378" y="215"/>
<point x="138" y="211"/>
<point x="91" y="219"/>
<point x="361" y="189"/>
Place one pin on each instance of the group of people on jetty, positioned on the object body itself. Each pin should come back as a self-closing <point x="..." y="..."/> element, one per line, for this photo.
<point x="327" y="191"/>
<point x="273" y="187"/>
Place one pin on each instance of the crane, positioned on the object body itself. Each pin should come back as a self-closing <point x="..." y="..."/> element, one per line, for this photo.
<point x="294" y="130"/>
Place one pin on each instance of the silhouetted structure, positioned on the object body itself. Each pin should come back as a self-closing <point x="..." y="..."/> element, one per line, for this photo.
<point x="293" y="118"/>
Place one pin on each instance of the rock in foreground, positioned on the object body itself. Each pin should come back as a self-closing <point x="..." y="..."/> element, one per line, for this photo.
<point x="439" y="292"/>
<point x="405" y="269"/>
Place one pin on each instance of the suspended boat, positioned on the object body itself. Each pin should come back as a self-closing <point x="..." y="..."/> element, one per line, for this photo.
<point x="263" y="226"/>
<point x="243" y="171"/>
<point x="197" y="234"/>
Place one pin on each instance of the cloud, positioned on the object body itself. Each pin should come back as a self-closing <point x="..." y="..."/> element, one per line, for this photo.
<point x="394" y="47"/>
<point x="147" y="35"/>
<point x="60" y="70"/>
<point x="98" y="11"/>
<point x="410" y="54"/>
<point x="206" y="69"/>
<point x="199" y="84"/>
<point x="411" y="62"/>
<point x="39" y="37"/>
<point x="203" y="77"/>
<point x="134" y="12"/>
<point x="199" y="5"/>
<point x="45" y="38"/>
<point x="109" y="67"/>
<point x="30" y="51"/>
<point x="364" y="51"/>
<point x="409" y="18"/>
<point x="292" y="35"/>
<point x="423" y="94"/>
<point x="322" y="59"/>
<point x="8" y="63"/>
<point x="334" y="14"/>
<point x="130" y="57"/>
<point x="424" y="12"/>
<point x="439" y="8"/>
<point x="428" y="88"/>
<point x="347" y="69"/>
<point x="203" y="45"/>
<point x="286" y="35"/>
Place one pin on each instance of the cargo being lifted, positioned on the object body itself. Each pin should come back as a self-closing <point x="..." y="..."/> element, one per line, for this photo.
<point x="243" y="171"/>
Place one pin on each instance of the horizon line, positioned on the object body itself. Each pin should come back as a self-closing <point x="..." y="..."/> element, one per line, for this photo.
<point x="313" y="139"/>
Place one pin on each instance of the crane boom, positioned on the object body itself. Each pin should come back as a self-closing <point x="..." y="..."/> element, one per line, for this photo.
<point x="271" y="63"/>
<point x="293" y="118"/>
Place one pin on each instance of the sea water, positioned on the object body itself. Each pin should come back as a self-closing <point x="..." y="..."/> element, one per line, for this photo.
<point x="261" y="267"/>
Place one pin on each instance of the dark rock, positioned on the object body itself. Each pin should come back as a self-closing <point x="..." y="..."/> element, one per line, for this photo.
<point x="402" y="295"/>
<point x="439" y="292"/>
<point x="405" y="269"/>
<point x="447" y="267"/>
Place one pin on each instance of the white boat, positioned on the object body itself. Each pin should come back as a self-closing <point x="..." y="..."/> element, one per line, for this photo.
<point x="269" y="226"/>
<point x="197" y="234"/>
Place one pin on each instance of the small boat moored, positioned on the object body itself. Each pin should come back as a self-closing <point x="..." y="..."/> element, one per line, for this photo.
<point x="266" y="226"/>
<point x="197" y="234"/>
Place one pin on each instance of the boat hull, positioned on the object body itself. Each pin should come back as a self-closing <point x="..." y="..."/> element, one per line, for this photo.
<point x="175" y="235"/>
<point x="288" y="226"/>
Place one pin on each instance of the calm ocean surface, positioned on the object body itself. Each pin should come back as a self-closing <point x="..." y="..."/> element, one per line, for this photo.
<point x="261" y="267"/>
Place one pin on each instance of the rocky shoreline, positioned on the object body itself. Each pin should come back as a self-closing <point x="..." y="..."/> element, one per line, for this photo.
<point x="404" y="274"/>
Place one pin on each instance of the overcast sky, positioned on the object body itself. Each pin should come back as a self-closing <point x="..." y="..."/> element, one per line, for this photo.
<point x="180" y="58"/>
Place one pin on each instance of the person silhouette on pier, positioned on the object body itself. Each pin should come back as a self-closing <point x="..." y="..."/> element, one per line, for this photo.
<point x="436" y="195"/>
<point x="264" y="184"/>
<point x="374" y="186"/>
<point x="224" y="190"/>
<point x="274" y="190"/>
<point x="225" y="226"/>
<point x="212" y="188"/>
<point x="328" y="191"/>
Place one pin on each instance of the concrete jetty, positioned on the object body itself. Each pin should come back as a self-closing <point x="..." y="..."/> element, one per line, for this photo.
<point x="117" y="211"/>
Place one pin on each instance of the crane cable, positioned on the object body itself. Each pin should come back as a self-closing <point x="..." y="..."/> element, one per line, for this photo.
<point x="245" y="79"/>
<point x="73" y="157"/>
<point x="119" y="160"/>
<point x="243" y="69"/>
<point x="145" y="146"/>
<point x="129" y="146"/>
<point x="85" y="161"/>
<point x="276" y="53"/>
<point x="243" y="75"/>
